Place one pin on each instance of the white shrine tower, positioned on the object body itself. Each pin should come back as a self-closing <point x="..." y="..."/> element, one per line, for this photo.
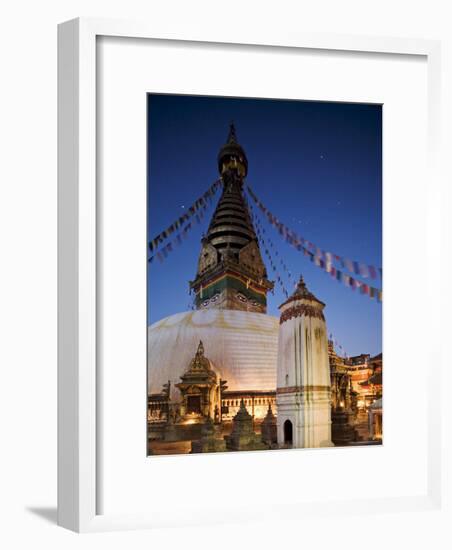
<point x="303" y="393"/>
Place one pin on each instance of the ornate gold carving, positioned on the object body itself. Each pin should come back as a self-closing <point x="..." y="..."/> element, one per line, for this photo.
<point x="208" y="258"/>
<point x="199" y="361"/>
<point x="250" y="257"/>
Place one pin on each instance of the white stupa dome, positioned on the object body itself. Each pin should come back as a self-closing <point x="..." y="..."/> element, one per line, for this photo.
<point x="241" y="345"/>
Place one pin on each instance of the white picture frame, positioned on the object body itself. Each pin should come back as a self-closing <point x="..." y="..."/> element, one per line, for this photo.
<point x="78" y="408"/>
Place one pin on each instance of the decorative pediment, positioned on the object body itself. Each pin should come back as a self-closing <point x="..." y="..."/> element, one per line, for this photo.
<point x="250" y="257"/>
<point x="208" y="258"/>
<point x="193" y="390"/>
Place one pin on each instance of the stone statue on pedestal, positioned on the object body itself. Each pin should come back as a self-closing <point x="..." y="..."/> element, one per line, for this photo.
<point x="243" y="437"/>
<point x="269" y="428"/>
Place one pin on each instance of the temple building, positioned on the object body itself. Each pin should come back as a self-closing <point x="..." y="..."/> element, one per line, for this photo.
<point x="303" y="392"/>
<point x="227" y="376"/>
<point x="342" y="393"/>
<point x="200" y="389"/>
<point x="343" y="400"/>
<point x="373" y="386"/>
<point x="359" y="370"/>
<point x="376" y="420"/>
<point x="356" y="392"/>
<point x="366" y="378"/>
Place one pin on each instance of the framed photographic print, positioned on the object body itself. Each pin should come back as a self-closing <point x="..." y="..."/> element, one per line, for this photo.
<point x="255" y="362"/>
<point x="226" y="207"/>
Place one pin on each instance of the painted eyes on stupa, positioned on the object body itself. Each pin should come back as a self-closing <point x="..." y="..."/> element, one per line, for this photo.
<point x="212" y="300"/>
<point x="243" y="298"/>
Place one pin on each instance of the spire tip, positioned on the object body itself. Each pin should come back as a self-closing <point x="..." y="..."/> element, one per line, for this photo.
<point x="232" y="137"/>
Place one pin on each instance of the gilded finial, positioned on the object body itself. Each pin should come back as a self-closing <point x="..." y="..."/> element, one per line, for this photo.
<point x="301" y="283"/>
<point x="232" y="138"/>
<point x="200" y="350"/>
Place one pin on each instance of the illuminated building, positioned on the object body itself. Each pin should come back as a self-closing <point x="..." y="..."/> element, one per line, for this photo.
<point x="200" y="389"/>
<point x="357" y="385"/>
<point x="359" y="370"/>
<point x="376" y="420"/>
<point x="343" y="400"/>
<point x="366" y="377"/>
<point x="342" y="392"/>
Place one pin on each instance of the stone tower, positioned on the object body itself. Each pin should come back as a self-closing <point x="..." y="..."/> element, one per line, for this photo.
<point x="303" y="393"/>
<point x="231" y="273"/>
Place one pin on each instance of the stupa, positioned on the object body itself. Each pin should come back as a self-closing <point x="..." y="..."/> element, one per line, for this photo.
<point x="230" y="296"/>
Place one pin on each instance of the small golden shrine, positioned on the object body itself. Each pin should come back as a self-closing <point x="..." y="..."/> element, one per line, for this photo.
<point x="200" y="390"/>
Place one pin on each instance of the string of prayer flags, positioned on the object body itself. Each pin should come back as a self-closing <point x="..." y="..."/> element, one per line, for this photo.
<point x="272" y="263"/>
<point x="162" y="254"/>
<point x="273" y="247"/>
<point x="327" y="265"/>
<point x="267" y="246"/>
<point x="355" y="267"/>
<point x="344" y="278"/>
<point x="192" y="211"/>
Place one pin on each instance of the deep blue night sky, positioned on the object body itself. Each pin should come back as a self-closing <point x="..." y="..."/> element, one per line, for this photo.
<point x="315" y="165"/>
